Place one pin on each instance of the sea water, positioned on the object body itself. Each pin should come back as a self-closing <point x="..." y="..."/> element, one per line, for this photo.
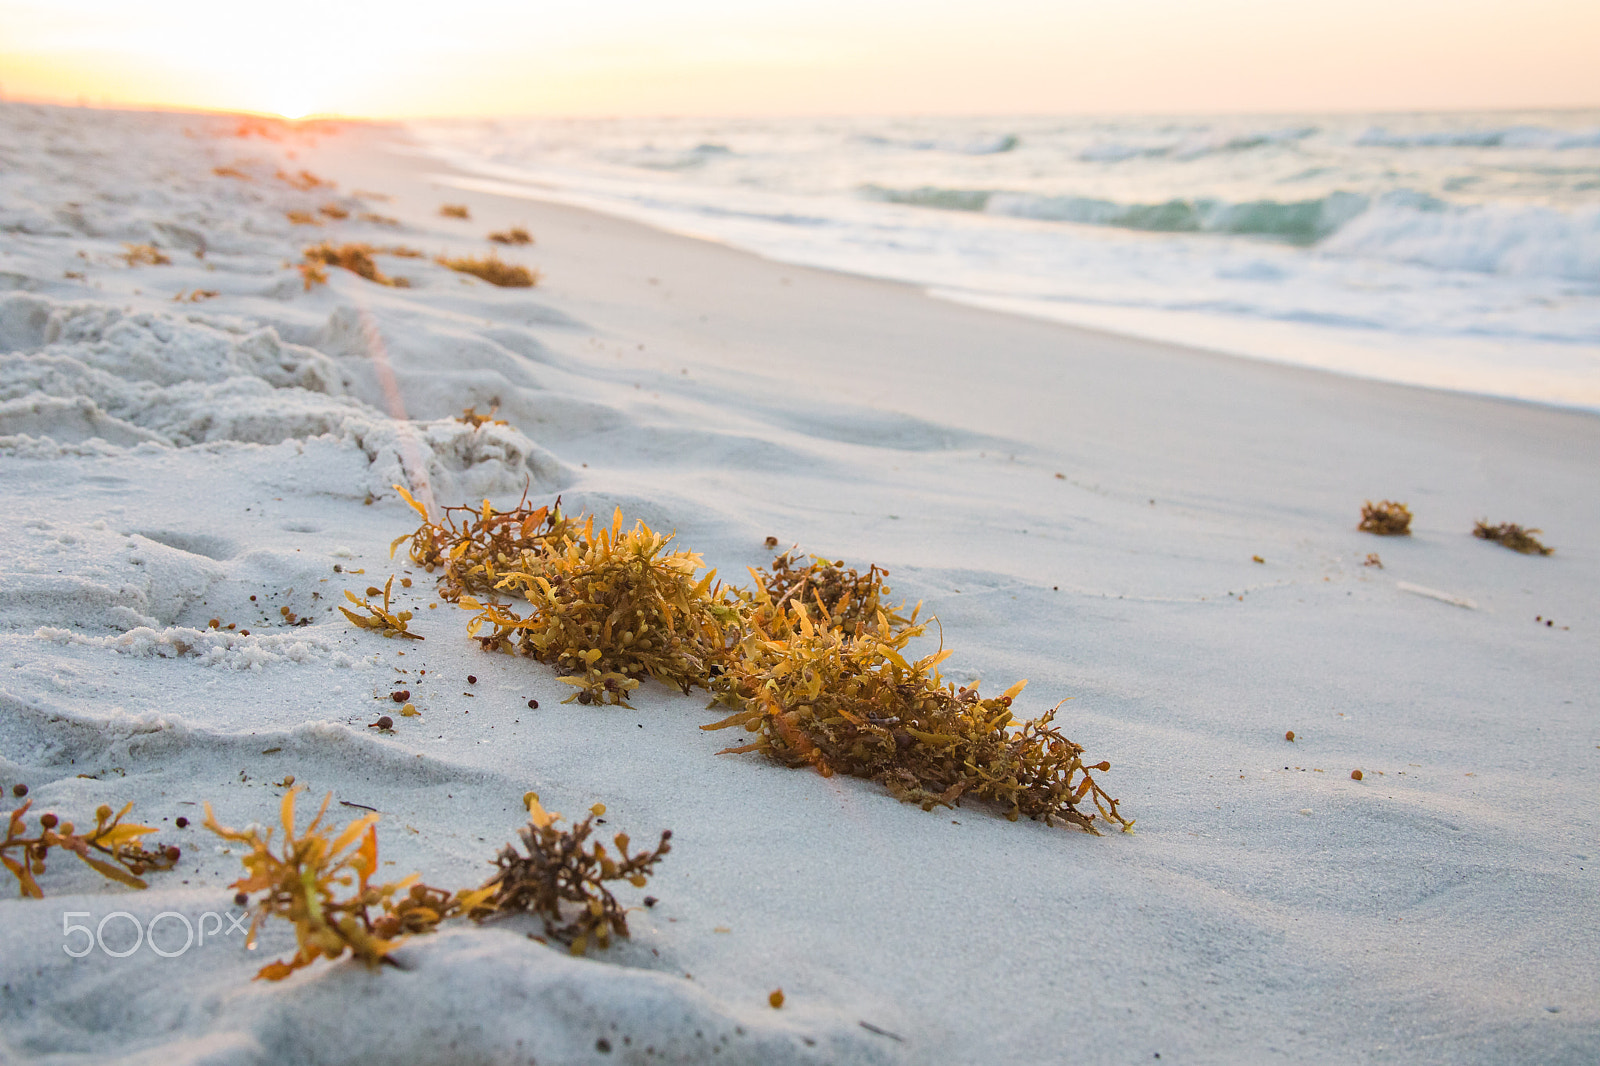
<point x="1457" y="251"/>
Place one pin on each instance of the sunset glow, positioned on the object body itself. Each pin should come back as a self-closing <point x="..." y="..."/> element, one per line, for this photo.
<point x="712" y="57"/>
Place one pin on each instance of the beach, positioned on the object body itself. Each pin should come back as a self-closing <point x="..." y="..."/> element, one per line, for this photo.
<point x="1163" y="537"/>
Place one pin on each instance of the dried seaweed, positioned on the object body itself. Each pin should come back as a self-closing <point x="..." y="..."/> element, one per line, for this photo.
<point x="377" y="219"/>
<point x="126" y="860"/>
<point x="616" y="605"/>
<point x="471" y="417"/>
<point x="383" y="619"/>
<point x="844" y="597"/>
<point x="231" y="172"/>
<point x="854" y="704"/>
<point x="493" y="269"/>
<point x="302" y="218"/>
<point x="1512" y="536"/>
<point x="356" y="258"/>
<point x="302" y="881"/>
<point x="454" y="211"/>
<point x="144" y="254"/>
<point x="471" y="549"/>
<point x="333" y="211"/>
<point x="1387" y="519"/>
<point x="559" y="866"/>
<point x="305" y="181"/>
<point x="313" y="274"/>
<point x="514" y="235"/>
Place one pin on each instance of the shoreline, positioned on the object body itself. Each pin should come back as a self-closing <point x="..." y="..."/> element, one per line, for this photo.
<point x="1165" y="536"/>
<point x="1535" y="369"/>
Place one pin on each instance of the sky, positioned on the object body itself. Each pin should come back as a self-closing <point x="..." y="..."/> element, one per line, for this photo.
<point x="401" y="58"/>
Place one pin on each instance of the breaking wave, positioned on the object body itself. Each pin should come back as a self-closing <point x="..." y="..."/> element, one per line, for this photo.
<point x="1297" y="222"/>
<point x="1530" y="137"/>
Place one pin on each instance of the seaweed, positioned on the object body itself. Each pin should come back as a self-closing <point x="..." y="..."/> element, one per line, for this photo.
<point x="846" y="598"/>
<point x="305" y="181"/>
<point x="514" y="235"/>
<point x="356" y="258"/>
<point x="125" y="862"/>
<point x="1512" y="536"/>
<point x="617" y="606"/>
<point x="471" y="417"/>
<point x="231" y="172"/>
<point x="1386" y="519"/>
<point x="377" y="219"/>
<point x="494" y="270"/>
<point x="454" y="211"/>
<point x="313" y="274"/>
<point x="302" y="218"/>
<point x="302" y="879"/>
<point x="383" y="619"/>
<point x="559" y="866"/>
<point x="146" y="254"/>
<point x="472" y="549"/>
<point x="854" y="704"/>
<point x="333" y="211"/>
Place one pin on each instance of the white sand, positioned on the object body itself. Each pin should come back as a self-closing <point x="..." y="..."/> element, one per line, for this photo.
<point x="163" y="463"/>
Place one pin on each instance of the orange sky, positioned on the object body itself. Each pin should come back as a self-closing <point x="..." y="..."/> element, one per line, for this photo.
<point x="752" y="57"/>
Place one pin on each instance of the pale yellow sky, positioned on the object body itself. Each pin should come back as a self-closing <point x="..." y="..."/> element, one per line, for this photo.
<point x="393" y="58"/>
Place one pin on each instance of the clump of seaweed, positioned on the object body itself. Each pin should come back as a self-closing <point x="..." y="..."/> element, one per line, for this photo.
<point x="313" y="274"/>
<point x="514" y="235"/>
<point x="383" y="619"/>
<point x="454" y="211"/>
<point x="845" y="598"/>
<point x="302" y="218"/>
<point x="305" y="181"/>
<point x="356" y="258"/>
<point x="616" y="605"/>
<point x="333" y="211"/>
<point x="146" y="254"/>
<point x="472" y="549"/>
<point x="559" y="866"/>
<point x="125" y="861"/>
<point x="1387" y="519"/>
<point x="470" y="416"/>
<point x="302" y="881"/>
<point x="231" y="172"/>
<point x="377" y="219"/>
<point x="856" y="705"/>
<point x="494" y="270"/>
<point x="1512" y="536"/>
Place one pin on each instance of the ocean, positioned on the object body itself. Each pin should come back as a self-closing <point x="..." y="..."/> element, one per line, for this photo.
<point x="1457" y="251"/>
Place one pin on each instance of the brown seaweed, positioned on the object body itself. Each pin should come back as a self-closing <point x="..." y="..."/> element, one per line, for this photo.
<point x="855" y="705"/>
<point x="1386" y="519"/>
<point x="1513" y="536"/>
<point x="125" y="859"/>
<point x="561" y="877"/>
<point x="493" y="269"/>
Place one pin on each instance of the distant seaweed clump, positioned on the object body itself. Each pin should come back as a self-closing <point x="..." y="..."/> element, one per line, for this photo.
<point x="493" y="269"/>
<point x="356" y="258"/>
<point x="1386" y="519"/>
<point x="454" y="211"/>
<point x="145" y="254"/>
<point x="514" y="235"/>
<point x="1512" y="536"/>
